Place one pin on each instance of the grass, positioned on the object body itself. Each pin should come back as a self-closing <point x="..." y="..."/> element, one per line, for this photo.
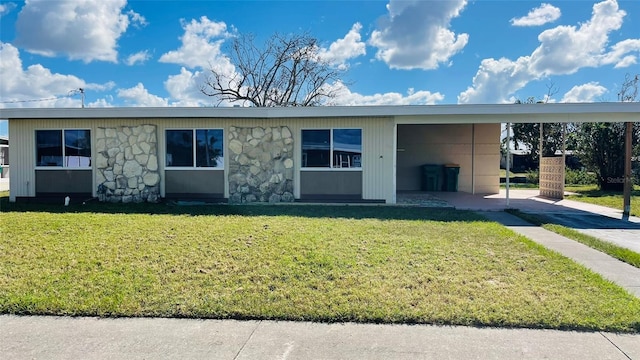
<point x="519" y="186"/>
<point x="503" y="173"/>
<point x="618" y="252"/>
<point x="316" y="263"/>
<point x="590" y="194"/>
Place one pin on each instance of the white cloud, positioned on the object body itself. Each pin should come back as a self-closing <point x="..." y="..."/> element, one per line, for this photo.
<point x="200" y="47"/>
<point x="544" y="14"/>
<point x="347" y="98"/>
<point x="349" y="47"/>
<point x="6" y="8"/>
<point x="200" y="50"/>
<point x="102" y="103"/>
<point x="619" y="53"/>
<point x="563" y="50"/>
<point x="84" y="30"/>
<point x="496" y="80"/>
<point x="566" y="49"/>
<point x="101" y="87"/>
<point x="584" y="93"/>
<point x="36" y="83"/>
<point x="137" y="19"/>
<point x="184" y="89"/>
<point x="139" y="57"/>
<point x="415" y="34"/>
<point x="139" y="96"/>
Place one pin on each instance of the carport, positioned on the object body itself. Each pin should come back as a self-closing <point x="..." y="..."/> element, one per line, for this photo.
<point x="469" y="135"/>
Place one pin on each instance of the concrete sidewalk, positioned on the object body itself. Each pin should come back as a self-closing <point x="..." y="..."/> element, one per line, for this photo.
<point x="36" y="337"/>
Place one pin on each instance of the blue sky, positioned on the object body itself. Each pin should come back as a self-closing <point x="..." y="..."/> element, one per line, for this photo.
<point x="157" y="53"/>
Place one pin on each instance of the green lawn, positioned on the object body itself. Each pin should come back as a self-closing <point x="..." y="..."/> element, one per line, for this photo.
<point x="590" y="194"/>
<point x="318" y="263"/>
<point x="503" y="173"/>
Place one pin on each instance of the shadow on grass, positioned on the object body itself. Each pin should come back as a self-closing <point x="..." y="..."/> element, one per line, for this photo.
<point x="599" y="193"/>
<point x="348" y="211"/>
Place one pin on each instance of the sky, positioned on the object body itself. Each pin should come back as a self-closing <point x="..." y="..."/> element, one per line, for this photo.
<point x="395" y="52"/>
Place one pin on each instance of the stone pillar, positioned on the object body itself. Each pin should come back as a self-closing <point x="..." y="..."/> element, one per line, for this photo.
<point x="127" y="164"/>
<point x="260" y="165"/>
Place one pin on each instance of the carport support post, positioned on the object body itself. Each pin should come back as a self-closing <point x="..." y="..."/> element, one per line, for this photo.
<point x="508" y="160"/>
<point x="627" y="171"/>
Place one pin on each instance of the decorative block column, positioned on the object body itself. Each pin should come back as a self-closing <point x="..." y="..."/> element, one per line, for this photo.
<point x="552" y="177"/>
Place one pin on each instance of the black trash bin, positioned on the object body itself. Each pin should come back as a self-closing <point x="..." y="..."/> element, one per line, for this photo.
<point x="432" y="177"/>
<point x="451" y="172"/>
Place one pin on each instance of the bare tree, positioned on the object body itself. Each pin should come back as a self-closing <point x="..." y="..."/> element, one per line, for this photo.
<point x="629" y="88"/>
<point x="286" y="71"/>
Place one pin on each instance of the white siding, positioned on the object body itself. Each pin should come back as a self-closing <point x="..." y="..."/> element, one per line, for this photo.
<point x="22" y="159"/>
<point x="377" y="158"/>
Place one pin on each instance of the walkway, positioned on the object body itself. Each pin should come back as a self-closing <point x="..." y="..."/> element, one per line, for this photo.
<point x="598" y="221"/>
<point x="143" y="338"/>
<point x="612" y="269"/>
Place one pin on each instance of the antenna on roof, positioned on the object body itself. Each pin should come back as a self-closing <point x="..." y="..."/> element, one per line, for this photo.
<point x="82" y="95"/>
<point x="78" y="90"/>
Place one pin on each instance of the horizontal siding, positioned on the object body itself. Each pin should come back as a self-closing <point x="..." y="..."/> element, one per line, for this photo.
<point x="377" y="158"/>
<point x="432" y="144"/>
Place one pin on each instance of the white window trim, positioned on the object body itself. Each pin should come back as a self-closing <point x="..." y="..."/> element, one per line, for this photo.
<point x="54" y="168"/>
<point x="194" y="148"/>
<point x="331" y="165"/>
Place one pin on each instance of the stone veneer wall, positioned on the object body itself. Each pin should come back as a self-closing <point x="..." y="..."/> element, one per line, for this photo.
<point x="260" y="165"/>
<point x="127" y="164"/>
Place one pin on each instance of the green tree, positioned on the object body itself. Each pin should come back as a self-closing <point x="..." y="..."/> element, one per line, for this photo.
<point x="600" y="146"/>
<point x="527" y="135"/>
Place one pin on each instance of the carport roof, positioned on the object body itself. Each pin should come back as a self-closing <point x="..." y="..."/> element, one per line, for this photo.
<point x="404" y="114"/>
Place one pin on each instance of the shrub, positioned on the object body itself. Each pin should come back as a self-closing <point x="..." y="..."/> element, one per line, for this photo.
<point x="580" y="177"/>
<point x="533" y="177"/>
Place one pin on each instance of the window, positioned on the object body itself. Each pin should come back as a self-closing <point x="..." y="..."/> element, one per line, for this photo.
<point x="206" y="149"/>
<point x="63" y="148"/>
<point x="336" y="148"/>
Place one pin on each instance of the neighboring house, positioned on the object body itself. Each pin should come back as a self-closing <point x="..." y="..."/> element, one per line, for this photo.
<point x="361" y="153"/>
<point x="4" y="157"/>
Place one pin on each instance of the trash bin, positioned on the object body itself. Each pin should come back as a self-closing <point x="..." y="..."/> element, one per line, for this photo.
<point x="451" y="172"/>
<point x="431" y="177"/>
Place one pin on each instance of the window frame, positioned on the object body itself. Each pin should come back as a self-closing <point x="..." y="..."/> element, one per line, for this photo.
<point x="194" y="150"/>
<point x="63" y="149"/>
<point x="331" y="166"/>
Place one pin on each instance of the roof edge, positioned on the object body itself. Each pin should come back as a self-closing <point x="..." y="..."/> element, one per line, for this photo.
<point x="319" y="111"/>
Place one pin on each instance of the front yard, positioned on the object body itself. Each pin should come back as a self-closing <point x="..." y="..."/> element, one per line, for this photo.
<point x="302" y="262"/>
